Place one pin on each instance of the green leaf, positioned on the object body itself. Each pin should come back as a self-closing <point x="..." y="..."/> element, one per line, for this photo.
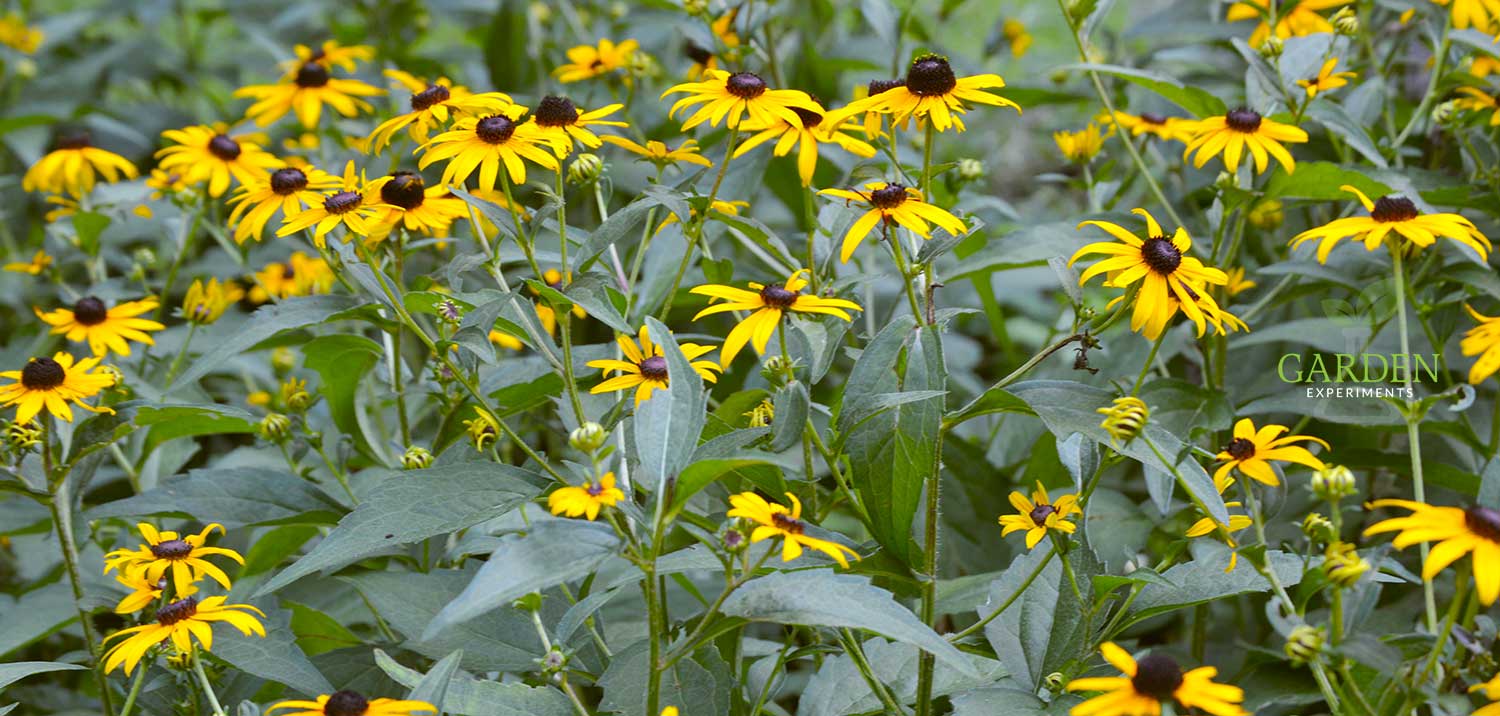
<point x="700" y="684"/>
<point x="433" y="687"/>
<point x="501" y="640"/>
<point x="839" y="689"/>
<point x="467" y="696"/>
<point x="1321" y="181"/>
<point x="592" y="291"/>
<point x="668" y="425"/>
<point x="233" y="496"/>
<point x="792" y="406"/>
<point x="1041" y="630"/>
<point x="17" y="670"/>
<point x="271" y="319"/>
<point x="1336" y="120"/>
<point x="342" y="362"/>
<point x="89" y="225"/>
<point x="274" y="657"/>
<point x="1489" y="484"/>
<point x="703" y="473"/>
<point x="821" y="597"/>
<point x="1204" y="579"/>
<point x="34" y="615"/>
<point x="619" y="228"/>
<point x="1198" y="102"/>
<point x="169" y="422"/>
<point x="414" y="505"/>
<point x="553" y="552"/>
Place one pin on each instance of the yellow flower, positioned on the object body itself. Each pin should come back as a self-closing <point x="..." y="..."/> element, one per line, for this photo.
<point x="17" y="35"/>
<point x="1016" y="34"/>
<point x="1483" y="66"/>
<point x="1239" y="130"/>
<point x="289" y="189"/>
<point x="659" y="154"/>
<point x="732" y="98"/>
<point x="561" y="122"/>
<point x="330" y="55"/>
<point x="355" y="206"/>
<point x="38" y="263"/>
<point x="1327" y="79"/>
<point x="1456" y="532"/>
<point x="1491" y="691"/>
<point x="432" y="105"/>
<point x="165" y="183"/>
<point x="815" y="129"/>
<point x="769" y="304"/>
<point x="185" y="555"/>
<point x="178" y="621"/>
<point x="1343" y="565"/>
<point x="1481" y="15"/>
<point x="483" y="430"/>
<point x="1237" y="282"/>
<point x="1482" y="340"/>
<point x="143" y="592"/>
<point x="305" y="92"/>
<point x="105" y="329"/>
<point x="1154" y="680"/>
<point x="773" y="520"/>
<point x="506" y="340"/>
<point x="350" y="703"/>
<point x="585" y="499"/>
<point x="933" y="92"/>
<point x="301" y="275"/>
<point x="206" y="302"/>
<point x="893" y="204"/>
<point x="1039" y="514"/>
<point x="589" y="61"/>
<point x="874" y="120"/>
<point x="1124" y="418"/>
<point x="408" y="202"/>
<point x="1168" y="128"/>
<point x="484" y="143"/>
<point x="201" y="153"/>
<point x="52" y="383"/>
<point x="1477" y="100"/>
<point x="1207" y="525"/>
<point x="1294" y="18"/>
<point x="1251" y="451"/>
<point x="646" y="368"/>
<point x="762" y="415"/>
<point x="72" y="165"/>
<point x="1082" y="146"/>
<point x="1170" y="278"/>
<point x="1393" y="213"/>
<point x="730" y="208"/>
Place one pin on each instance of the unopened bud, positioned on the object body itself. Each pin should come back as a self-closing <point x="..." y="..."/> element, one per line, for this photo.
<point x="1334" y="483"/>
<point x="970" y="169"/>
<point x="1267" y="214"/>
<point x="1124" y="419"/>
<point x="1318" y="528"/>
<point x="1271" y="48"/>
<point x="416" y="457"/>
<point x="1303" y="644"/>
<point x="588" y="437"/>
<point x="1343" y="565"/>
<point x="585" y="170"/>
<point x="283" y="360"/>
<point x="274" y="427"/>
<point x="1345" y="22"/>
<point x="23" y="436"/>
<point x="1444" y="112"/>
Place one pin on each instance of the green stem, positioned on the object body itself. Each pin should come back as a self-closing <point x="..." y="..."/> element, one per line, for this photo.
<point x="208" y="687"/>
<point x="1146" y="368"/>
<point x="857" y="655"/>
<point x="135" y="688"/>
<point x="694" y="231"/>
<point x="1413" y="418"/>
<point x="1025" y="584"/>
<point x="181" y="353"/>
<point x="1429" y="95"/>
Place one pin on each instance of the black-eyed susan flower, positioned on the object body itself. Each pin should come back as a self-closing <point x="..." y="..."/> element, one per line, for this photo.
<point x="762" y="415"/>
<point x="432" y="105"/>
<point x="1482" y="340"/>
<point x="53" y="383"/>
<point x="305" y="93"/>
<point x="202" y="153"/>
<point x="1294" y="18"/>
<point x="300" y="275"/>
<point x="406" y="201"/>
<point x="1239" y="131"/>
<point x="815" y="130"/>
<point x="590" y="61"/>
<point x="184" y="555"/>
<point x="563" y="123"/>
<point x="1082" y="146"/>
<point x="1327" y="79"/>
<point x="732" y="98"/>
<point x="355" y="206"/>
<point x="1251" y="451"/>
<point x="1209" y="526"/>
<point x="105" y="328"/>
<point x="165" y="184"/>
<point x="483" y="430"/>
<point x="645" y="368"/>
<point x="1150" y="682"/>
<point x="660" y="154"/>
<point x="1396" y="214"/>
<point x="143" y="592"/>
<point x="1343" y="565"/>
<point x="38" y="263"/>
<point x="330" y="54"/>
<point x="1478" y="101"/>
<point x="1038" y="515"/>
<point x="932" y="92"/>
<point x="177" y="622"/>
<point x="1491" y="691"/>
<point x="19" y="36"/>
<point x="1455" y="532"/>
<point x="774" y="520"/>
<point x="506" y="340"/>
<point x="874" y="121"/>
<point x="587" y="499"/>
<point x="893" y="204"/>
<point x="1482" y="66"/>
<point x="768" y="304"/>
<point x="351" y="703"/>
<point x="486" y="143"/>
<point x="1170" y="279"/>
<point x="74" y="165"/>
<point x="204" y="303"/>
<point x="1159" y="125"/>
<point x="1482" y="15"/>
<point x="288" y="190"/>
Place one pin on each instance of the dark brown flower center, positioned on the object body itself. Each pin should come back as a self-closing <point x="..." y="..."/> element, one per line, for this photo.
<point x="1157" y="676"/>
<point x="312" y="74"/>
<point x="556" y="112"/>
<point x="697" y="54"/>
<point x="1161" y="255"/>
<point x="787" y="523"/>
<point x="342" y="202"/>
<point x="434" y="94"/>
<point x="288" y="273"/>
<point x="42" y="374"/>
<point x="1242" y="120"/>
<point x="777" y="296"/>
<point x="1240" y="449"/>
<point x="889" y="196"/>
<point x="1040" y="513"/>
<point x="1484" y="522"/>
<point x="809" y="118"/>
<point x="745" y="85"/>
<point x="405" y="189"/>
<point x="654" y="368"/>
<point x="593" y="488"/>
<point x="90" y="311"/>
<point x="224" y="148"/>
<point x="495" y="129"/>
<point x="1153" y="118"/>
<point x="1394" y="208"/>
<point x="345" y="703"/>
<point x="288" y="181"/>
<point x="74" y="140"/>
<point x="171" y="549"/>
<point x="177" y="611"/>
<point x="930" y="76"/>
<point x="879" y="86"/>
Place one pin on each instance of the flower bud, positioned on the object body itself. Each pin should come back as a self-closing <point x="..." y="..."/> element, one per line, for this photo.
<point x="1225" y="180"/>
<point x="695" y="7"/>
<point x="23" y="436"/>
<point x="541" y="12"/>
<point x="450" y="311"/>
<point x="642" y="65"/>
<point x="1445" y="112"/>
<point x="970" y="169"/>
<point x="762" y="414"/>
<point x="1343" y="565"/>
<point x="1271" y="48"/>
<point x="416" y="457"/>
<point x="483" y="430"/>
<point x="294" y="395"/>
<point x="1303" y="644"/>
<point x="1345" y="22"/>
<point x="775" y="368"/>
<point x="1054" y="681"/>
<point x="1334" y="483"/>
<point x="586" y="169"/>
<point x="1267" y="214"/>
<point x="283" y="360"/>
<point x="1318" y="528"/>
<point x="1124" y="419"/>
<point x="274" y="427"/>
<point x="618" y="9"/>
<point x="735" y="541"/>
<point x="553" y="661"/>
<point x="588" y="437"/>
